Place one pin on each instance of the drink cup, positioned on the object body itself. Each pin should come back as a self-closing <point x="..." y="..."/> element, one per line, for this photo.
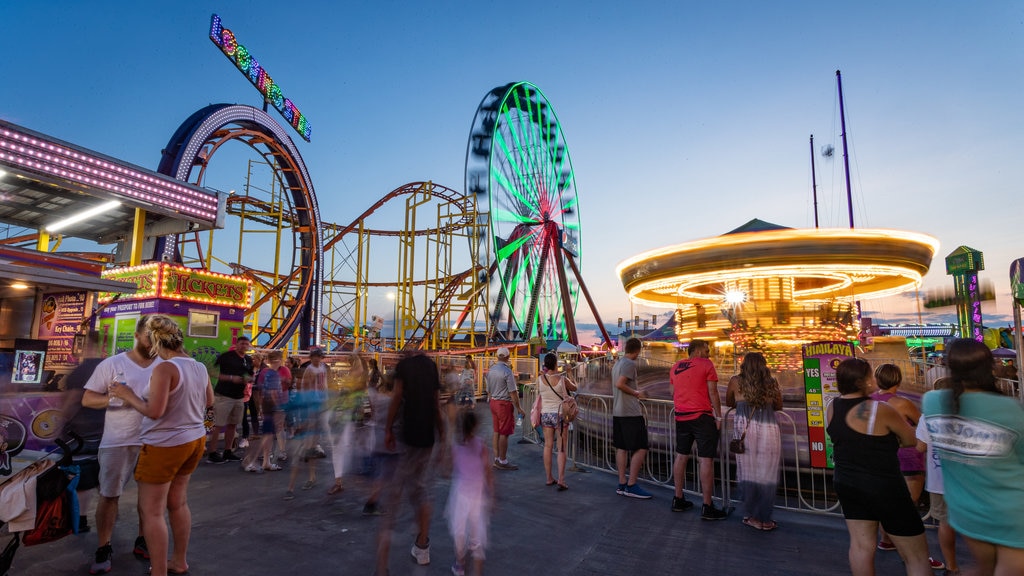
<point x="114" y="401"/>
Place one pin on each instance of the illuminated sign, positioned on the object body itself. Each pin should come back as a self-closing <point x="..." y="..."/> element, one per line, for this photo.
<point x="820" y="361"/>
<point x="162" y="280"/>
<point x="250" y="67"/>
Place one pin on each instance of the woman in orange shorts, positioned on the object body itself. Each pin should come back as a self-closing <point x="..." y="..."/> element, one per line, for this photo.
<point x="173" y="441"/>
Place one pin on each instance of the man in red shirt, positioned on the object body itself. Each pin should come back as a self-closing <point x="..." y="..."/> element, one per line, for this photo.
<point x="698" y="411"/>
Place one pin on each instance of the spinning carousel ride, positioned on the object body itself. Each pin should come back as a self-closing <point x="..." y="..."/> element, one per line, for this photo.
<point x="769" y="288"/>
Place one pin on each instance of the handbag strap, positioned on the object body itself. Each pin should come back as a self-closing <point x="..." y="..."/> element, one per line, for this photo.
<point x="749" y="418"/>
<point x="548" y="382"/>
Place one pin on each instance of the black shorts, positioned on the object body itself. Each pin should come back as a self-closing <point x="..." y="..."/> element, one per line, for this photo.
<point x="702" y="429"/>
<point x="629" y="433"/>
<point x="889" y="505"/>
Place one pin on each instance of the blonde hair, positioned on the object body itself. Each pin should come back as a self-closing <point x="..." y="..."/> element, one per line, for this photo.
<point x="164" y="333"/>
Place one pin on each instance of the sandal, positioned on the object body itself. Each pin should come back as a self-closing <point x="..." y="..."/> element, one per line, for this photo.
<point x="562" y="487"/>
<point x="273" y="468"/>
<point x="309" y="484"/>
<point x="552" y="483"/>
<point x="748" y="521"/>
<point x="334" y="489"/>
<point x="769" y="526"/>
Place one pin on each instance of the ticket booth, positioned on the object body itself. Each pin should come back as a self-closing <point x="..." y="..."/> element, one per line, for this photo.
<point x="208" y="306"/>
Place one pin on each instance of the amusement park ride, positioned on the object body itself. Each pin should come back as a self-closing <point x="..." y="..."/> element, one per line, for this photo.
<point x="518" y="221"/>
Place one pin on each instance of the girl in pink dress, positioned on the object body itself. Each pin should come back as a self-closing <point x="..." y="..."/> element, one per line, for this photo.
<point x="469" y="503"/>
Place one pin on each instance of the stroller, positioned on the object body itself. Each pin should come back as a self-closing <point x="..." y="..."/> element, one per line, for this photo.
<point x="56" y="503"/>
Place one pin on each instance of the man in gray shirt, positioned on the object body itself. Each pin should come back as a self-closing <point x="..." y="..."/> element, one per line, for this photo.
<point x="503" y="397"/>
<point x="629" y="429"/>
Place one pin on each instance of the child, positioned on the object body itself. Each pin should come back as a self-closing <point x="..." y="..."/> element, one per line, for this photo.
<point x="469" y="502"/>
<point x="271" y="400"/>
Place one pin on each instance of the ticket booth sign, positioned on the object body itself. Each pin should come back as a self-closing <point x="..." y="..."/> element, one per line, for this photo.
<point x="820" y="361"/>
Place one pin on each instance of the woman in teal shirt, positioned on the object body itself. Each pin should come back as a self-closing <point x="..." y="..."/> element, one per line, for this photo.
<point x="979" y="435"/>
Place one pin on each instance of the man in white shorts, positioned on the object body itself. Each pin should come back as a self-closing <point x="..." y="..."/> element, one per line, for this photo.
<point x="120" y="444"/>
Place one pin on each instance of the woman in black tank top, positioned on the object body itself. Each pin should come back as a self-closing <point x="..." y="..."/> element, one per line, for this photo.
<point x="865" y="437"/>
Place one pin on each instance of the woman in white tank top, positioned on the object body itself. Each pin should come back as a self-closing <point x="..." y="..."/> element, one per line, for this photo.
<point x="173" y="442"/>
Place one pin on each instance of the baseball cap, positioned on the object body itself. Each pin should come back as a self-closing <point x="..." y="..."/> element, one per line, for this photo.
<point x="503" y="352"/>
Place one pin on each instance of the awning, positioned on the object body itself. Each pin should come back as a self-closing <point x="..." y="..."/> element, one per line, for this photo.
<point x="47" y="279"/>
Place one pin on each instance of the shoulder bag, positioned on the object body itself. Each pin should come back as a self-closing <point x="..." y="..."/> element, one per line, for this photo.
<point x="568" y="407"/>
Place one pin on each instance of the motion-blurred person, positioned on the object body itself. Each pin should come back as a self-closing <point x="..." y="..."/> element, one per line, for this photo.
<point x="85" y="423"/>
<point x="756" y="395"/>
<point x="384" y="459"/>
<point x="469" y="499"/>
<point x="303" y="411"/>
<point x="467" y="384"/>
<point x="121" y="442"/>
<point x="315" y="379"/>
<point x="416" y="404"/>
<point x="866" y="436"/>
<point x="348" y="414"/>
<point x="554" y="388"/>
<point x="979" y="435"/>
<point x="236" y="371"/>
<point x="173" y="442"/>
<point x="271" y="400"/>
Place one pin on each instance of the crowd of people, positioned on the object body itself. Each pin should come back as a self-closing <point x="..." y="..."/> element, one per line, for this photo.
<point x="963" y="446"/>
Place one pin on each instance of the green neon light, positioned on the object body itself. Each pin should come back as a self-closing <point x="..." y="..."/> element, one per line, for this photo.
<point x="508" y="156"/>
<point x="505" y="251"/>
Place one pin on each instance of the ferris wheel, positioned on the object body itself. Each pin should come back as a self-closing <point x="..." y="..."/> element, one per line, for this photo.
<point x="518" y="166"/>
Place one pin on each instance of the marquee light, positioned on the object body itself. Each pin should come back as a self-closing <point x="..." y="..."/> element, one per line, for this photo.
<point x="250" y="67"/>
<point x="193" y="285"/>
<point x="26" y="150"/>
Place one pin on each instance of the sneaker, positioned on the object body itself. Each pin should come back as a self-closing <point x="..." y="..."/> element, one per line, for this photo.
<point x="936" y="564"/>
<point x="102" y="563"/>
<point x="635" y="491"/>
<point x="887" y="546"/>
<point x="254" y="468"/>
<point x="458" y="569"/>
<point x="709" y="512"/>
<point x="83" y="524"/>
<point x="422" y="555"/>
<point x="215" y="458"/>
<point x="289" y="495"/>
<point x="505" y="465"/>
<point x="230" y="456"/>
<point x="621" y="490"/>
<point x="681" y="504"/>
<point x="371" y="509"/>
<point x="243" y="443"/>
<point x="272" y="468"/>
<point x="141" y="551"/>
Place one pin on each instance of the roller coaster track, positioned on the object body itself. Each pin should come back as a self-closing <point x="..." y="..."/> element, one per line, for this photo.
<point x="453" y="285"/>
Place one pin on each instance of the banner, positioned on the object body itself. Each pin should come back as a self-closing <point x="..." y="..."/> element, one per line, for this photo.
<point x="820" y="361"/>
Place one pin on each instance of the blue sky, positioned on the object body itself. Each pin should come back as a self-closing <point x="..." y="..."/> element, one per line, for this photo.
<point x="683" y="119"/>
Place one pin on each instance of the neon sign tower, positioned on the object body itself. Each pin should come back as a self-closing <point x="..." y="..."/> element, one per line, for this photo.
<point x="963" y="265"/>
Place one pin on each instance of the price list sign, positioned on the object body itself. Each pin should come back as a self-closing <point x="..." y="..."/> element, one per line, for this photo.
<point x="820" y="361"/>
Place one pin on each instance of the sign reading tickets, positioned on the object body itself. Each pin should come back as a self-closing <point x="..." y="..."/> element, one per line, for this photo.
<point x="820" y="361"/>
<point x="59" y="319"/>
<point x="172" y="282"/>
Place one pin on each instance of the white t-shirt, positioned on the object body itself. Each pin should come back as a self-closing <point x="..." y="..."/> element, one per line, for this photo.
<point x="122" y="425"/>
<point x="933" y="464"/>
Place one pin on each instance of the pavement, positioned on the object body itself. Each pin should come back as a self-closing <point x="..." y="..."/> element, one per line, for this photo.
<point x="242" y="525"/>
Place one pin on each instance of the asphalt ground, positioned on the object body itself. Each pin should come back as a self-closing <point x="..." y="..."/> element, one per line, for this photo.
<point x="242" y="525"/>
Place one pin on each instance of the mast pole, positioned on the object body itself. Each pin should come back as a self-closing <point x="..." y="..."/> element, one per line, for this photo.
<point x="814" y="184"/>
<point x="846" y="156"/>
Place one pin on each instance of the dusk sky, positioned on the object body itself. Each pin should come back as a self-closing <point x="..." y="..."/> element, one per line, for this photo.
<point x="683" y="119"/>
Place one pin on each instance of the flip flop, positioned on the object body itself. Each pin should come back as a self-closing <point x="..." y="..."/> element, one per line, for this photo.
<point x="552" y="483"/>
<point x="562" y="487"/>
<point x="771" y="525"/>
<point x="753" y="523"/>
